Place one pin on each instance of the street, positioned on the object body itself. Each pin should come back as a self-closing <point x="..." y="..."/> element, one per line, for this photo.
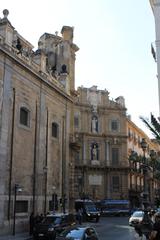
<point x="115" y="228"/>
<point x="110" y="228"/>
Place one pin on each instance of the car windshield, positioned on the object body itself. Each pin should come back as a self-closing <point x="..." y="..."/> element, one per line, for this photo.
<point x="52" y="219"/>
<point x="75" y="233"/>
<point x="138" y="214"/>
<point x="91" y="208"/>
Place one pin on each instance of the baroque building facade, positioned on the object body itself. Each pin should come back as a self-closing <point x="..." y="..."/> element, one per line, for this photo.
<point x="56" y="142"/>
<point x="101" y="166"/>
<point x="36" y="108"/>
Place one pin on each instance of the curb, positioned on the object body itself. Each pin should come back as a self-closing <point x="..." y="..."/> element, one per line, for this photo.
<point x="16" y="237"/>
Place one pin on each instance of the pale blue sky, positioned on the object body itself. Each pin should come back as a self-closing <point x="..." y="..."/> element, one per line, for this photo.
<point x="114" y="38"/>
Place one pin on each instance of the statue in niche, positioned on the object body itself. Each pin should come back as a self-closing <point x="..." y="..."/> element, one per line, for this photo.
<point x="94" y="125"/>
<point x="64" y="69"/>
<point x="94" y="108"/>
<point x="94" y="152"/>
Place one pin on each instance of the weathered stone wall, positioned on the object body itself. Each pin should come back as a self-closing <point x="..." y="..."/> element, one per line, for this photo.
<point x="97" y="174"/>
<point x="29" y="154"/>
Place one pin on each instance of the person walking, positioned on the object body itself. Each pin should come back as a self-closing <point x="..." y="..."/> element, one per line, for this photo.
<point x="91" y="235"/>
<point x="31" y="223"/>
<point x="155" y="234"/>
<point x="80" y="215"/>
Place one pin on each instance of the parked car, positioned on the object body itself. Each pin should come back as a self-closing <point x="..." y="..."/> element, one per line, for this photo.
<point x="136" y="218"/>
<point x="53" y="224"/>
<point x="89" y="210"/>
<point x="157" y="210"/>
<point x="78" y="233"/>
<point x="115" y="207"/>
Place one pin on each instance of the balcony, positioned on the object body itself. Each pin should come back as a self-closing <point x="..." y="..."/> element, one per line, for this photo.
<point x="101" y="164"/>
<point x="137" y="188"/>
<point x="74" y="142"/>
<point x="75" y="146"/>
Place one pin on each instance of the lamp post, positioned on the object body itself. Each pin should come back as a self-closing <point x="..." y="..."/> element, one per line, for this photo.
<point x="145" y="171"/>
<point x="64" y="199"/>
<point x="80" y="185"/>
<point x="45" y="169"/>
<point x="133" y="160"/>
<point x="146" y="223"/>
<point x="156" y="175"/>
<point x="17" y="189"/>
<point x="54" y="199"/>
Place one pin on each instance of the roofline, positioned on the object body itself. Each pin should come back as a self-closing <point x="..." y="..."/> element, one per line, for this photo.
<point x="138" y="129"/>
<point x="40" y="77"/>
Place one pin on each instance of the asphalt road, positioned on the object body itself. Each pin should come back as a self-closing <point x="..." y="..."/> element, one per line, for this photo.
<point x="115" y="228"/>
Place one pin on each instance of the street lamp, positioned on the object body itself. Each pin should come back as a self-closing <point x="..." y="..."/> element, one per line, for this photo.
<point x="45" y="169"/>
<point x="63" y="202"/>
<point x="146" y="223"/>
<point x="145" y="171"/>
<point x="17" y="189"/>
<point x="54" y="199"/>
<point x="155" y="169"/>
<point x="80" y="185"/>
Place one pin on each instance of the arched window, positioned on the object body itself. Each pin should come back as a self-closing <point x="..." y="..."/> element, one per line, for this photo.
<point x="24" y="116"/>
<point x="94" y="151"/>
<point x="55" y="130"/>
<point x="94" y="124"/>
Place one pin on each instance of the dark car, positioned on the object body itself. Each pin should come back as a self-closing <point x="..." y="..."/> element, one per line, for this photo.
<point x="89" y="210"/>
<point x="78" y="233"/>
<point x="53" y="224"/>
<point x="115" y="207"/>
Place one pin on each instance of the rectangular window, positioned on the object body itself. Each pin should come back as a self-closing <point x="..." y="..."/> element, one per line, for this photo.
<point x="115" y="183"/>
<point x="24" y="116"/>
<point x="51" y="205"/>
<point x="21" y="206"/>
<point x="114" y="125"/>
<point x="76" y="121"/>
<point x="54" y="130"/>
<point x="115" y="156"/>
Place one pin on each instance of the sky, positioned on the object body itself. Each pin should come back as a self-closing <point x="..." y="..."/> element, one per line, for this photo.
<point x="114" y="40"/>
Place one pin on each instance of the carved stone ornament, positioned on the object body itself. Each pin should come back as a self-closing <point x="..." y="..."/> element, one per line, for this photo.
<point x="94" y="97"/>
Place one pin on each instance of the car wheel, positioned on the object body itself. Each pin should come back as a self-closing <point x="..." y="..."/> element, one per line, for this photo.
<point x="97" y="219"/>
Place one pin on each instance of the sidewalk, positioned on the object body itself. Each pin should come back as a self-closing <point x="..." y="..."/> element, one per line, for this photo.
<point x="18" y="236"/>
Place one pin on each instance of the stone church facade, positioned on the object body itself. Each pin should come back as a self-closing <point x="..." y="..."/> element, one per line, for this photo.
<point x="36" y="109"/>
<point x="55" y="142"/>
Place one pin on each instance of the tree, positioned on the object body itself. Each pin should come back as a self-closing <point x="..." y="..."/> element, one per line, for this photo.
<point x="153" y="125"/>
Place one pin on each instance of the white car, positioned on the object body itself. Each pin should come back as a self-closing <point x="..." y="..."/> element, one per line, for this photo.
<point x="136" y="218"/>
<point x="78" y="233"/>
